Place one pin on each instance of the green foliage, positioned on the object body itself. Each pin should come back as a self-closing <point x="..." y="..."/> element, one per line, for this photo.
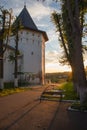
<point x="78" y="106"/>
<point x="9" y="89"/>
<point x="11" y="57"/>
<point x="5" y="28"/>
<point x="17" y="25"/>
<point x="69" y="91"/>
<point x="63" y="23"/>
<point x="8" y="85"/>
<point x="66" y="89"/>
<point x="57" y="77"/>
<point x="58" y="21"/>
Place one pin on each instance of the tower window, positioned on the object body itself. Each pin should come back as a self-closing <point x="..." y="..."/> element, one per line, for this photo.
<point x="21" y="39"/>
<point x="32" y="34"/>
<point x="26" y="39"/>
<point x="32" y="53"/>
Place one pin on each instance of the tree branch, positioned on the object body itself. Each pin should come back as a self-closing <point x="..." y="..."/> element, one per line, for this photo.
<point x="70" y="14"/>
<point x="82" y="17"/>
<point x="77" y="15"/>
<point x="57" y="22"/>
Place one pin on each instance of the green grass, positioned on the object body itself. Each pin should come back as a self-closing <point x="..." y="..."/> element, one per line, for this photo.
<point x="78" y="106"/>
<point x="69" y="92"/>
<point x="10" y="91"/>
<point x="8" y="85"/>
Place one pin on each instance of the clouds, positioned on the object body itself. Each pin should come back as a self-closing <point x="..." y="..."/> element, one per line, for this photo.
<point x="52" y="57"/>
<point x="56" y="68"/>
<point x="41" y="14"/>
<point x="39" y="11"/>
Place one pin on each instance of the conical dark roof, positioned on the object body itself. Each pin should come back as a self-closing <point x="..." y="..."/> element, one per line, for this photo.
<point x="27" y="22"/>
<point x="26" y="19"/>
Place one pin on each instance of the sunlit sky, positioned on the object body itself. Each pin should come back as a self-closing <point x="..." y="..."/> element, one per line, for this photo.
<point x="41" y="14"/>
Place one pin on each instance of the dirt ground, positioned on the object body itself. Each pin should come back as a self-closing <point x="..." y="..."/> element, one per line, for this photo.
<point x="24" y="111"/>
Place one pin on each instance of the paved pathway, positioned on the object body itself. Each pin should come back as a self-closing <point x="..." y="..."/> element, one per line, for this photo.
<point x="68" y="120"/>
<point x="23" y="111"/>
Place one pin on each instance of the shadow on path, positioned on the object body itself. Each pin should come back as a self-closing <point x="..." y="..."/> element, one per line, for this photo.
<point x="68" y="120"/>
<point x="22" y="116"/>
<point x="54" y="118"/>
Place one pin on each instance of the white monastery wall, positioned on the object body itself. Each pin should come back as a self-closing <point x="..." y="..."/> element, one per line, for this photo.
<point x="30" y="46"/>
<point x="8" y="67"/>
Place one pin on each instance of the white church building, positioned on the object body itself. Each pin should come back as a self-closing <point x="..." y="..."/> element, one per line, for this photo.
<point x="31" y="45"/>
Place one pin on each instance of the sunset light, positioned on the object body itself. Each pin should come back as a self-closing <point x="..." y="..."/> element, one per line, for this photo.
<point x="56" y="67"/>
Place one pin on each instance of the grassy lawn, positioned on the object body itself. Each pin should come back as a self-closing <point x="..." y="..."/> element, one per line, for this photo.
<point x="69" y="92"/>
<point x="78" y="106"/>
<point x="9" y="91"/>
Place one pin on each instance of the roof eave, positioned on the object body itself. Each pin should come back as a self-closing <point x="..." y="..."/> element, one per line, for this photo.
<point x="45" y="36"/>
<point x="43" y="32"/>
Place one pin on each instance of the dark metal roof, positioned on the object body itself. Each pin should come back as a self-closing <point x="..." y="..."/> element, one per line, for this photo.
<point x="26" y="19"/>
<point x="28" y="23"/>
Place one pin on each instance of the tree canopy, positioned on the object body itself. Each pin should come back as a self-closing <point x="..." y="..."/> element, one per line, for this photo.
<point x="70" y="24"/>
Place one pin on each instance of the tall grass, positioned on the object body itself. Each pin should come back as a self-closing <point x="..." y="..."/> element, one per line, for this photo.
<point x="69" y="91"/>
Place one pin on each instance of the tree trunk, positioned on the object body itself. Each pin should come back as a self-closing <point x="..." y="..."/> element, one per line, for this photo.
<point x="75" y="83"/>
<point x="16" y="63"/>
<point x="78" y="66"/>
<point x="15" y="73"/>
<point x="1" y="65"/>
<point x="79" y="71"/>
<point x="83" y="95"/>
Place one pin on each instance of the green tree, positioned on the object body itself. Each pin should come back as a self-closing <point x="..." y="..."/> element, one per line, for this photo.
<point x="5" y="26"/>
<point x="15" y="29"/>
<point x="70" y="24"/>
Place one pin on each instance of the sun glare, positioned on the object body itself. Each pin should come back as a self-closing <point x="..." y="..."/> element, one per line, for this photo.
<point x="50" y="68"/>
